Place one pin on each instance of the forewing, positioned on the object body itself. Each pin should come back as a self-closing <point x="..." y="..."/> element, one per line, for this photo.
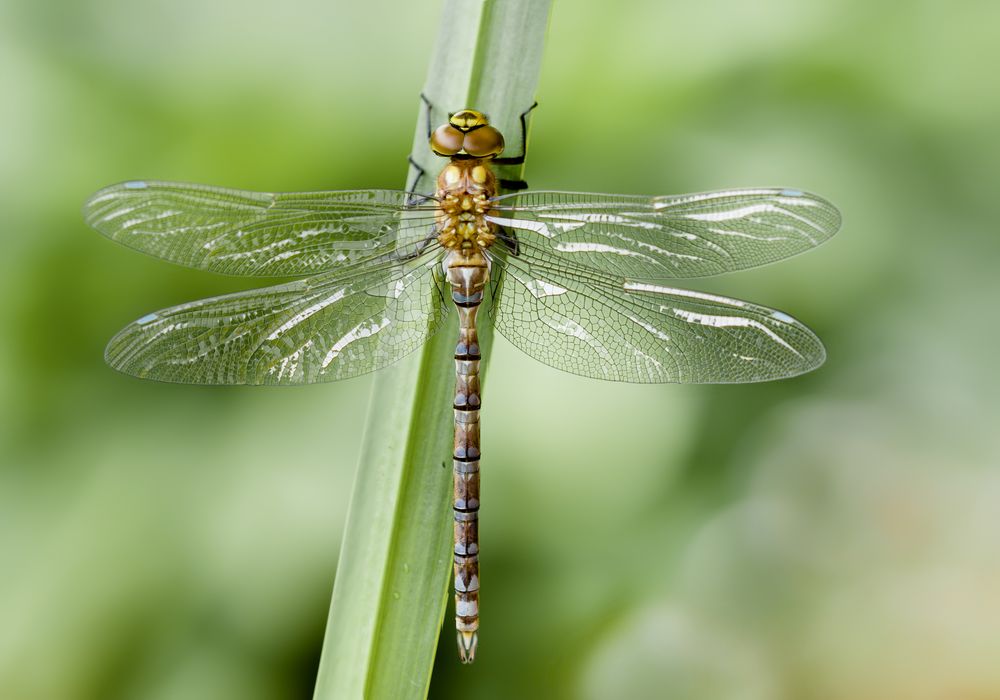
<point x="313" y="330"/>
<point x="598" y="326"/>
<point x="653" y="238"/>
<point x="257" y="233"/>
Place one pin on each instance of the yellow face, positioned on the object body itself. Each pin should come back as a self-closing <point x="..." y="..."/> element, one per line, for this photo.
<point x="468" y="119"/>
<point x="467" y="133"/>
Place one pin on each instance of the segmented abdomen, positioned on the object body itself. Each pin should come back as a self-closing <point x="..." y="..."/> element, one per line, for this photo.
<point x="466" y="467"/>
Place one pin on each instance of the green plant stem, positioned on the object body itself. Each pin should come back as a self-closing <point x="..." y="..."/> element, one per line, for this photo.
<point x="393" y="576"/>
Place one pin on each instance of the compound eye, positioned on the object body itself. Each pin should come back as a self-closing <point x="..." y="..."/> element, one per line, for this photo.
<point x="483" y="142"/>
<point x="446" y="140"/>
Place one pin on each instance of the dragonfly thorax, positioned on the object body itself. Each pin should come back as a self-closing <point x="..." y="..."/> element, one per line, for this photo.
<point x="465" y="192"/>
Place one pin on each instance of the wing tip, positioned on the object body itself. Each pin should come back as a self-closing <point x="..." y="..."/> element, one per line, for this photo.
<point x="835" y="218"/>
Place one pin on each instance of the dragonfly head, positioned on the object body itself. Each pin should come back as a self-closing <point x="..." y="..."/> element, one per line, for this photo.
<point x="467" y="133"/>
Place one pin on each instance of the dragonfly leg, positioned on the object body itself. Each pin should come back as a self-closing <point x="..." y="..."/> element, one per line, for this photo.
<point x="430" y="114"/>
<point x="414" y="196"/>
<point x="513" y="185"/>
<point x="414" y="185"/>
<point x="519" y="159"/>
<point x="440" y="284"/>
<point x="516" y="185"/>
<point x="509" y="239"/>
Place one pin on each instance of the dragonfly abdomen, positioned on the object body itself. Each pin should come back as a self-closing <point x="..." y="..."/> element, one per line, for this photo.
<point x="468" y="276"/>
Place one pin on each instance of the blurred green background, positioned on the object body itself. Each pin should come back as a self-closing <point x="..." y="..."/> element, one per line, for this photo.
<point x="829" y="537"/>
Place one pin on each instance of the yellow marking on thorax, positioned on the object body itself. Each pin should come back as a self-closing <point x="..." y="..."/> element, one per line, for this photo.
<point x="452" y="175"/>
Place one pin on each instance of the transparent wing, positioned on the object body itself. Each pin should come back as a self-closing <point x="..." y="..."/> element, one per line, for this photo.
<point x="257" y="233"/>
<point x="596" y="325"/>
<point x="651" y="238"/>
<point x="313" y="330"/>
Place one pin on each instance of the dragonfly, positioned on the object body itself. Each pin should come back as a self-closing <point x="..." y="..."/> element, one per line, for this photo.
<point x="578" y="281"/>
